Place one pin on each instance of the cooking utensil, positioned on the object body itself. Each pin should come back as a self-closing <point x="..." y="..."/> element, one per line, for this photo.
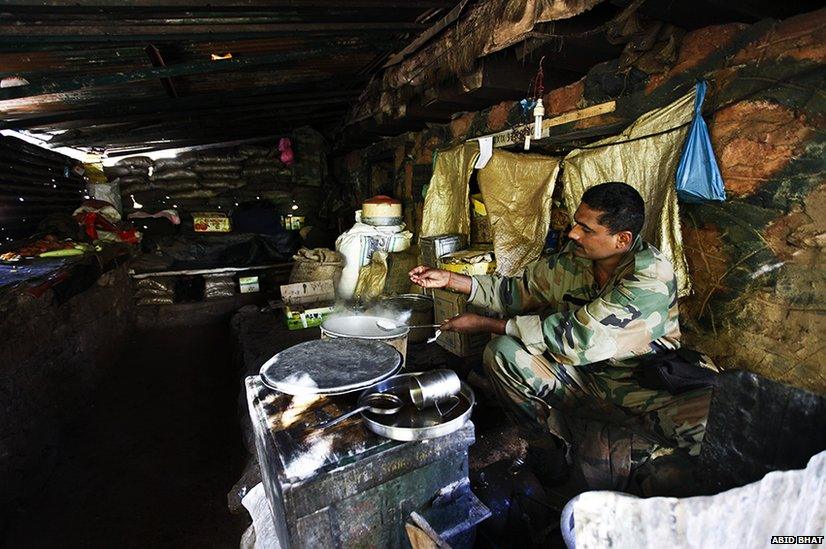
<point x="330" y="366"/>
<point x="410" y="423"/>
<point x="431" y="388"/>
<point x="435" y="336"/>
<point x="412" y="309"/>
<point x="364" y="327"/>
<point x="387" y="324"/>
<point x="375" y="403"/>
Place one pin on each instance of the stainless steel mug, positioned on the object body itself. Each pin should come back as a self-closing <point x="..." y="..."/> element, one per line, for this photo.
<point x="435" y="387"/>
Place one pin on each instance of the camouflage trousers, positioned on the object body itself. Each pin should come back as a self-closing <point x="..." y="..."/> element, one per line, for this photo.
<point x="612" y="424"/>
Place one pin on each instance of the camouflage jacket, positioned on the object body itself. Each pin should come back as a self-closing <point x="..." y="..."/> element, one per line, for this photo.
<point x="557" y="308"/>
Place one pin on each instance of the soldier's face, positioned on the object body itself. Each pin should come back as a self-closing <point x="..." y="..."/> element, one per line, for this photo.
<point x="595" y="241"/>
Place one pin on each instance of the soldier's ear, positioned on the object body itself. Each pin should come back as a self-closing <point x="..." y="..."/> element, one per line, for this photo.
<point x="624" y="239"/>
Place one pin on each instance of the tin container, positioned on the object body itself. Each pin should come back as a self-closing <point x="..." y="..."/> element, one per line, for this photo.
<point x="434" y="247"/>
<point x="431" y="388"/>
<point x="364" y="327"/>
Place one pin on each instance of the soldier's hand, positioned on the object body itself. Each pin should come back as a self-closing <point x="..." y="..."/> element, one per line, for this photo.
<point x="466" y="323"/>
<point x="428" y="277"/>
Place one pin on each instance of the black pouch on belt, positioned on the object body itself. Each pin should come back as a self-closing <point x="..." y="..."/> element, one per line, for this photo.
<point x="675" y="371"/>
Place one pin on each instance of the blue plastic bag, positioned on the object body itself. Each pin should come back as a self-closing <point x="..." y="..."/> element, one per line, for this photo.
<point x="698" y="177"/>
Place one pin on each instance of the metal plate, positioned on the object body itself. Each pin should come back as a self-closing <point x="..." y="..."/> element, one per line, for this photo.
<point x="330" y="366"/>
<point x="410" y="423"/>
<point x="361" y="327"/>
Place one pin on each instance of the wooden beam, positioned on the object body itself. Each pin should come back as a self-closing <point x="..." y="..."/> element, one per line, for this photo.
<point x="157" y="61"/>
<point x="452" y="16"/>
<point x="152" y="33"/>
<point x="511" y="137"/>
<point x="195" y="67"/>
<point x="192" y="104"/>
<point x="212" y="5"/>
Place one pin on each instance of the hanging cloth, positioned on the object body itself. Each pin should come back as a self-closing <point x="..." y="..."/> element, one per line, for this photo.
<point x="446" y="204"/>
<point x="645" y="155"/>
<point x="698" y="176"/>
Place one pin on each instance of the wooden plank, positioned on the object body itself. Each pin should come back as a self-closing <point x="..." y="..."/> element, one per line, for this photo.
<point x="452" y="16"/>
<point x="512" y="137"/>
<point x="587" y="112"/>
<point x="192" y="105"/>
<point x="132" y="33"/>
<point x="213" y="5"/>
<point x="180" y="69"/>
<point x="220" y="270"/>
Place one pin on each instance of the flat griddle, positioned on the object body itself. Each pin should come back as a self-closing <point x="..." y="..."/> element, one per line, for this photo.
<point x="330" y="366"/>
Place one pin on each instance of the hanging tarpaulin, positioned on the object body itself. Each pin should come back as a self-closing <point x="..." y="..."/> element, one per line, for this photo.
<point x="446" y="208"/>
<point x="645" y="156"/>
<point x="517" y="190"/>
<point x="698" y="177"/>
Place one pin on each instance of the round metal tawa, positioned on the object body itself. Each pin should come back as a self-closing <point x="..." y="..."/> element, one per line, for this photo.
<point x="410" y="423"/>
<point x="330" y="366"/>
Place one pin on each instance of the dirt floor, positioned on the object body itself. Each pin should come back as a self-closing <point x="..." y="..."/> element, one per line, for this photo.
<point x="150" y="463"/>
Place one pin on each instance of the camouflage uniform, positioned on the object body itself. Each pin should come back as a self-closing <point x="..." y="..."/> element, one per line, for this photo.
<point x="572" y="350"/>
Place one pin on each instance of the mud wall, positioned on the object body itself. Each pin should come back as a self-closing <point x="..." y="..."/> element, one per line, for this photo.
<point x="756" y="260"/>
<point x="54" y="353"/>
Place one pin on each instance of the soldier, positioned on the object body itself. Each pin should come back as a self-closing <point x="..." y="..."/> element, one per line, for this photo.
<point x="579" y="327"/>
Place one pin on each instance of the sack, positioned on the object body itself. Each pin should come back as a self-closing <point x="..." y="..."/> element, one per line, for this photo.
<point x="675" y="371"/>
<point x="698" y="176"/>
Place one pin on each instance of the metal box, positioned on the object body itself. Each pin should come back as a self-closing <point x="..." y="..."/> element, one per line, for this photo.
<point x="434" y="247"/>
<point x="347" y="487"/>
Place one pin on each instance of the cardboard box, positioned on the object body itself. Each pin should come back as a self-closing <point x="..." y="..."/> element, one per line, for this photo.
<point x="448" y="304"/>
<point x="210" y="222"/>
<point x="306" y="293"/>
<point x="299" y="318"/>
<point x="248" y="284"/>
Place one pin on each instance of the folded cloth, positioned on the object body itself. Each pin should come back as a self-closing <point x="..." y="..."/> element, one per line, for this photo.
<point x="171" y="215"/>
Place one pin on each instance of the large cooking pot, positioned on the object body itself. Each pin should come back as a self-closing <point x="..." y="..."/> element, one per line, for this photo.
<point x="364" y="327"/>
<point x="413" y="310"/>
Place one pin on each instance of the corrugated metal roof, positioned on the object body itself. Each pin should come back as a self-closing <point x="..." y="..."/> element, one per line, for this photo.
<point x="119" y="73"/>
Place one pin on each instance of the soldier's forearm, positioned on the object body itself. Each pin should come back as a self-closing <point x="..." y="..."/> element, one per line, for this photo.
<point x="459" y="283"/>
<point x="497" y="325"/>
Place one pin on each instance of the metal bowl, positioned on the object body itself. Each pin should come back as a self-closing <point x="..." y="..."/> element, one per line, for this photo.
<point x="413" y="424"/>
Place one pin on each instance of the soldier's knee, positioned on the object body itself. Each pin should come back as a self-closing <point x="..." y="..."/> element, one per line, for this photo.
<point x="499" y="349"/>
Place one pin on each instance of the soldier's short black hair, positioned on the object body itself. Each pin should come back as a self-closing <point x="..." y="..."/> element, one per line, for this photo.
<point x="621" y="206"/>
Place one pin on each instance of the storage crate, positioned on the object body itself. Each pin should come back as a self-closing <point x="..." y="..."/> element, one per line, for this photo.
<point x="447" y="305"/>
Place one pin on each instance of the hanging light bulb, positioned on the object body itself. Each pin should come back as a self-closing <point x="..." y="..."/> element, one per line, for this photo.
<point x="294" y="205"/>
<point x="538" y="114"/>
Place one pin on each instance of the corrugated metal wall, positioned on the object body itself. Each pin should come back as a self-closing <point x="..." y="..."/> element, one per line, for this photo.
<point x="34" y="183"/>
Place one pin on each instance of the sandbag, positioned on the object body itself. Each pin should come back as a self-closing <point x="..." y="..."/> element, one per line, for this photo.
<point x="116" y="171"/>
<point x="178" y="186"/>
<point x="223" y="183"/>
<point x="173" y="173"/>
<point x="200" y="193"/>
<point x="136" y="162"/>
<point x="173" y="163"/>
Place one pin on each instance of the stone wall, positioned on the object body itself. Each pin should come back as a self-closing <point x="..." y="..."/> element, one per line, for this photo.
<point x="53" y="356"/>
<point x="756" y="260"/>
